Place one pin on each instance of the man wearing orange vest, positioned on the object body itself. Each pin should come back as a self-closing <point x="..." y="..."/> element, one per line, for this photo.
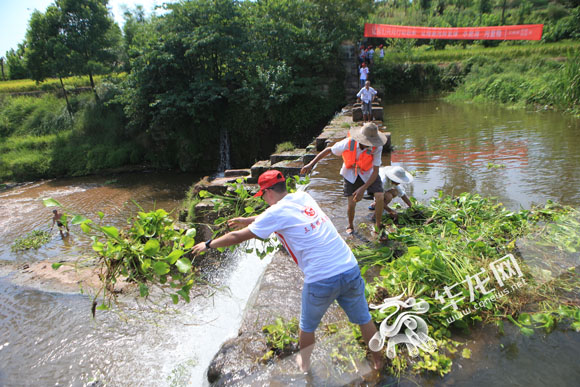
<point x="361" y="155"/>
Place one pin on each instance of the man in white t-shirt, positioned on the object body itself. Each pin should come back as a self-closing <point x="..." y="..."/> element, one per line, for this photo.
<point x="330" y="269"/>
<point x="361" y="153"/>
<point x="367" y="95"/>
<point x="364" y="73"/>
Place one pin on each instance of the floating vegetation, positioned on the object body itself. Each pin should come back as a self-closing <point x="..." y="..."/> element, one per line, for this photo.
<point x="237" y="201"/>
<point x="461" y="255"/>
<point x="33" y="240"/>
<point x="495" y="166"/>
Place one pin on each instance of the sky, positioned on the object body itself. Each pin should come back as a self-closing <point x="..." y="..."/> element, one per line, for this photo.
<point x="15" y="14"/>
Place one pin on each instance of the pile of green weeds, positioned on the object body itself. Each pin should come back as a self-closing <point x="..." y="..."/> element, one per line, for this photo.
<point x="451" y="241"/>
<point x="33" y="240"/>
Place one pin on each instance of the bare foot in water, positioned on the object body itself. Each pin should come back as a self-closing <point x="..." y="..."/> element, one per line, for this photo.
<point x="377" y="360"/>
<point x="303" y="365"/>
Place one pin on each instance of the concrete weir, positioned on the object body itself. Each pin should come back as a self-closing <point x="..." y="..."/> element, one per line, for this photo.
<point x="290" y="162"/>
<point x="279" y="291"/>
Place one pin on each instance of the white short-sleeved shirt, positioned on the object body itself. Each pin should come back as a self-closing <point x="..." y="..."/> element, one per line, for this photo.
<point x="366" y="95"/>
<point x="349" y="173"/>
<point x="308" y="235"/>
<point x="388" y="185"/>
<point x="364" y="72"/>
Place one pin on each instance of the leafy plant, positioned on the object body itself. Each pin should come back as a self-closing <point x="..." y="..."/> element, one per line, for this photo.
<point x="451" y="238"/>
<point x="33" y="240"/>
<point x="151" y="252"/>
<point x="281" y="337"/>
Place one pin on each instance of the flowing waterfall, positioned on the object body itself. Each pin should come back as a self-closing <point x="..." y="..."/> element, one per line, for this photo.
<point x="224" y="151"/>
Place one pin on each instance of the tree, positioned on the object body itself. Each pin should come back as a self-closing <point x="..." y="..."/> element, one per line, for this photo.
<point x="134" y="30"/>
<point x="483" y="6"/>
<point x="2" y="66"/>
<point x="264" y="71"/>
<point x="72" y="37"/>
<point x="16" y="63"/>
<point x="47" y="55"/>
<point x="90" y="35"/>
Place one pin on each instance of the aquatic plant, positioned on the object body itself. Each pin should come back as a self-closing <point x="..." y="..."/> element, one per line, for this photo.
<point x="150" y="252"/>
<point x="281" y="338"/>
<point x="447" y="243"/>
<point x="237" y="201"/>
<point x="33" y="240"/>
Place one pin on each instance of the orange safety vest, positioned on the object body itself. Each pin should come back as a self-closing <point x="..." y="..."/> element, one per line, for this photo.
<point x="365" y="160"/>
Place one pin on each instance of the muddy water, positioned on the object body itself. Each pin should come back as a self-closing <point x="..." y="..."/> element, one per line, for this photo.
<point x="49" y="338"/>
<point x="520" y="157"/>
<point x="21" y="208"/>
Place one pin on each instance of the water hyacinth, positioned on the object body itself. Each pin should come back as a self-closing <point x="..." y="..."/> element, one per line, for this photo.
<point x="33" y="240"/>
<point x="440" y="245"/>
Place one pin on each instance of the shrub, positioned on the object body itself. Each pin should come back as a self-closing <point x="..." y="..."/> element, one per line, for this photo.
<point x="284" y="147"/>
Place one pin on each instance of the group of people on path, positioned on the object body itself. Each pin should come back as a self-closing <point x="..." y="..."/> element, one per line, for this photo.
<point x="366" y="61"/>
<point x="331" y="271"/>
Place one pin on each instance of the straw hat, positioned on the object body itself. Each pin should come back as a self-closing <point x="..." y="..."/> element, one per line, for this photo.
<point x="369" y="135"/>
<point x="398" y="174"/>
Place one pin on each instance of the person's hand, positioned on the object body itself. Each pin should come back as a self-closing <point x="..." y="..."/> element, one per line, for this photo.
<point x="359" y="194"/>
<point x="306" y="169"/>
<point x="394" y="215"/>
<point x="237" y="223"/>
<point x="199" y="248"/>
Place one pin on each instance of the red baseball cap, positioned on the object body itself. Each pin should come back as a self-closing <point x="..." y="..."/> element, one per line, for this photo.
<point x="268" y="179"/>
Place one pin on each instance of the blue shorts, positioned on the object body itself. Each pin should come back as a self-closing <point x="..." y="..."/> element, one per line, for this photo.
<point x="348" y="288"/>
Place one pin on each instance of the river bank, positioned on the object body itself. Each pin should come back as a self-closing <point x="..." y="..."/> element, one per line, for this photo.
<point x="519" y="82"/>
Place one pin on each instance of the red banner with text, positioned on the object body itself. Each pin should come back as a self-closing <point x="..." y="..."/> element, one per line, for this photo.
<point x="519" y="32"/>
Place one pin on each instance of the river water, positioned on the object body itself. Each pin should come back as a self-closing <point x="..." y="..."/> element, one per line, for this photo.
<point x="48" y="338"/>
<point x="521" y="158"/>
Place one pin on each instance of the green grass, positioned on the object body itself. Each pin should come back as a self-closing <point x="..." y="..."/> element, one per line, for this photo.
<point x="504" y="50"/>
<point x="51" y="84"/>
<point x="285" y="147"/>
<point x="532" y="81"/>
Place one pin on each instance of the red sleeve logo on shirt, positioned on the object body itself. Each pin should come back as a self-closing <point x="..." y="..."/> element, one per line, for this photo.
<point x="310" y="211"/>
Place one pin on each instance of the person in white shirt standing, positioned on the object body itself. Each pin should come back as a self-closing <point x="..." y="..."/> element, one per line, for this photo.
<point x="364" y="72"/>
<point x="367" y="95"/>
<point x="361" y="154"/>
<point x="330" y="269"/>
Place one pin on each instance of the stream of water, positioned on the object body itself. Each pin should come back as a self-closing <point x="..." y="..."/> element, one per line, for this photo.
<point x="49" y="338"/>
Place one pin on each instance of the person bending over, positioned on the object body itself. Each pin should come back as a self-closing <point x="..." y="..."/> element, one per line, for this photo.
<point x="361" y="155"/>
<point x="330" y="269"/>
<point x="393" y="177"/>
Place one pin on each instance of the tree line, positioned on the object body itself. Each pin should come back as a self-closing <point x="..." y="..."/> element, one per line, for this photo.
<point x="264" y="71"/>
